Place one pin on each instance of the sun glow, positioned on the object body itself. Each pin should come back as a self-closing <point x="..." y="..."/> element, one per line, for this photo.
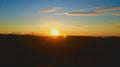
<point x="55" y="32"/>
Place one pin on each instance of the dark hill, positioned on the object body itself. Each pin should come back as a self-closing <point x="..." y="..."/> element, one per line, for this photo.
<point x="73" y="51"/>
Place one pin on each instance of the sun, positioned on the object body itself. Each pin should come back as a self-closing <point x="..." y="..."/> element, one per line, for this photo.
<point x="55" y="32"/>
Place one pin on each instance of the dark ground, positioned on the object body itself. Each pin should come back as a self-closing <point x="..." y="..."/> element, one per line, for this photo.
<point x="73" y="51"/>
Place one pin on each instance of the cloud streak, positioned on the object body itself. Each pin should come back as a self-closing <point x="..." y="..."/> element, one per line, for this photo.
<point x="97" y="12"/>
<point x="94" y="12"/>
<point x="82" y="13"/>
<point x="118" y="14"/>
<point x="108" y="9"/>
<point x="50" y="9"/>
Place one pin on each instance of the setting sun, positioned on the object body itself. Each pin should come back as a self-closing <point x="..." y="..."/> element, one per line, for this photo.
<point x="55" y="32"/>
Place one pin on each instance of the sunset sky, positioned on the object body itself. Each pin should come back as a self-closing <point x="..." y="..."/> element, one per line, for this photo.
<point x="71" y="17"/>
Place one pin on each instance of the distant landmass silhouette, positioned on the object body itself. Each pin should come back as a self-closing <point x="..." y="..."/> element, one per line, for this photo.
<point x="72" y="51"/>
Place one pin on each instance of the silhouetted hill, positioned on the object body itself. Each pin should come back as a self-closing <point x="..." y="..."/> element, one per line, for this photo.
<point x="44" y="51"/>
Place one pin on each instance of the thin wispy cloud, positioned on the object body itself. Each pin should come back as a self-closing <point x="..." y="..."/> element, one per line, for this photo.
<point x="50" y="9"/>
<point x="79" y="13"/>
<point x="108" y="9"/>
<point x="118" y="14"/>
<point x="96" y="12"/>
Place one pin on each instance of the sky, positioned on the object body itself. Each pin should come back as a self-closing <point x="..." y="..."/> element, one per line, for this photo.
<point x="71" y="17"/>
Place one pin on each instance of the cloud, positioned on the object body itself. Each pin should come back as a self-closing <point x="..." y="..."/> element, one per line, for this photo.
<point x="97" y="12"/>
<point x="82" y="13"/>
<point x="118" y="14"/>
<point x="107" y="9"/>
<point x="94" y="12"/>
<point x="50" y="9"/>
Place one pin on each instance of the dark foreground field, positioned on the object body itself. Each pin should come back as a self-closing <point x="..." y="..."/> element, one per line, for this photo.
<point x="73" y="51"/>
